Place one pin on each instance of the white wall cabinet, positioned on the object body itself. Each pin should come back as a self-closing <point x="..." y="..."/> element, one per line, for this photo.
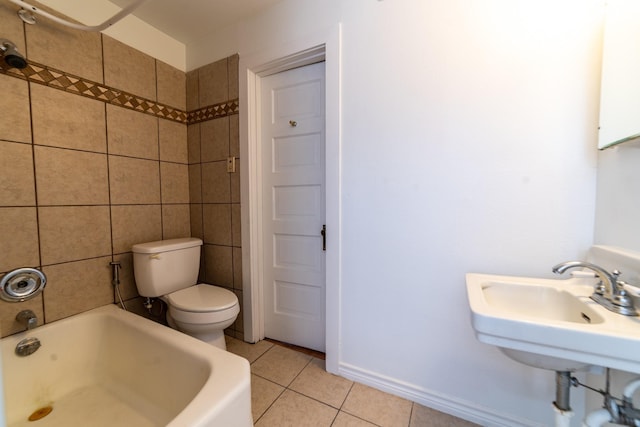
<point x="620" y="90"/>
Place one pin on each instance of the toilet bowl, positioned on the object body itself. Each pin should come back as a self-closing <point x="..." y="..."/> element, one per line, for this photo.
<point x="203" y="311"/>
<point x="168" y="269"/>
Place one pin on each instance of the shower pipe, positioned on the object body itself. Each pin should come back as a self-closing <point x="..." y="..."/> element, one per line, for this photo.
<point x="106" y="24"/>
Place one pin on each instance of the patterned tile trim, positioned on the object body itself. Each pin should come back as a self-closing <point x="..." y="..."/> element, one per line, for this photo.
<point x="50" y="77"/>
<point x="213" y="112"/>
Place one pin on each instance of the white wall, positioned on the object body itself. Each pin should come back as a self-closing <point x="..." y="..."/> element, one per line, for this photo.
<point x="468" y="144"/>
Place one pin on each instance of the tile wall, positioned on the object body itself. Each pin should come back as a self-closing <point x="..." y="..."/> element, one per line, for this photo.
<point x="215" y="193"/>
<point x="94" y="158"/>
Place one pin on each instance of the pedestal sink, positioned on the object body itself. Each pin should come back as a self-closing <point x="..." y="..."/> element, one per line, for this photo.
<point x="552" y="323"/>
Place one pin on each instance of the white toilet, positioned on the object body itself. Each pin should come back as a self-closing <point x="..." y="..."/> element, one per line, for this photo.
<point x="168" y="269"/>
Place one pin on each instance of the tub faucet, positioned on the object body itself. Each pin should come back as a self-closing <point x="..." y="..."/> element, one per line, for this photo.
<point x="609" y="292"/>
<point x="28" y="319"/>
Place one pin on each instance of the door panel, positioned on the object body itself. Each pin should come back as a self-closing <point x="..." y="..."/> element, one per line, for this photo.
<point x="293" y="142"/>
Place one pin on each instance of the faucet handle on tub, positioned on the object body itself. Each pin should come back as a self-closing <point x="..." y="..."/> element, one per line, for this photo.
<point x="28" y="318"/>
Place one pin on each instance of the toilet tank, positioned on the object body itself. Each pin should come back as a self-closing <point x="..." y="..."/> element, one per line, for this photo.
<point x="166" y="266"/>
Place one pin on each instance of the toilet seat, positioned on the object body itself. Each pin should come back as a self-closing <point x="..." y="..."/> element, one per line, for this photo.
<point x="203" y="304"/>
<point x="202" y="298"/>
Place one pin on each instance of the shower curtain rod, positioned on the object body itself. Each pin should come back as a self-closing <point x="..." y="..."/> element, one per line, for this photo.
<point x="106" y="24"/>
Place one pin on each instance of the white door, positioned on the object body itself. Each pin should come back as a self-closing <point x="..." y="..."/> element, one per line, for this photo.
<point x="293" y="195"/>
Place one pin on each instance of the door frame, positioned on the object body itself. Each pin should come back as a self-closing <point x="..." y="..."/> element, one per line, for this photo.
<point x="323" y="46"/>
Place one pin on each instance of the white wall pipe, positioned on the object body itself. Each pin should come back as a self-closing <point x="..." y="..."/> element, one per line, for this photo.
<point x="629" y="389"/>
<point x="563" y="418"/>
<point x="106" y="24"/>
<point x="597" y="418"/>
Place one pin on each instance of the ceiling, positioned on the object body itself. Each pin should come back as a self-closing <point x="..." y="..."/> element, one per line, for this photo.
<point x="191" y="20"/>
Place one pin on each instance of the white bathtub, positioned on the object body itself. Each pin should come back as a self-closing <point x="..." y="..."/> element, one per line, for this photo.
<point x="108" y="367"/>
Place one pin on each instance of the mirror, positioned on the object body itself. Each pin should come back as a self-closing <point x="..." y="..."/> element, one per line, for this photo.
<point x="620" y="88"/>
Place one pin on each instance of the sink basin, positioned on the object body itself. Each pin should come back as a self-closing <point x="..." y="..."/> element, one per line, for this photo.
<point x="541" y="302"/>
<point x="551" y="323"/>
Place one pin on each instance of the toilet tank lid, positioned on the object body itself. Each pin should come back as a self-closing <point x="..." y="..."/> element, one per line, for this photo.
<point x="166" y="245"/>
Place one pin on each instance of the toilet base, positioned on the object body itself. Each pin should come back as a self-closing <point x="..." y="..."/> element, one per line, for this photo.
<point x="214" y="337"/>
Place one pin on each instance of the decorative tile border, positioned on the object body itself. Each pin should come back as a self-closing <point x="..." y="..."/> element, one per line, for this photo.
<point x="50" y="77"/>
<point x="213" y="112"/>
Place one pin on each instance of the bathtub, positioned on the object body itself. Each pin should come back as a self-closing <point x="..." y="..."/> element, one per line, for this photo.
<point x="108" y="367"/>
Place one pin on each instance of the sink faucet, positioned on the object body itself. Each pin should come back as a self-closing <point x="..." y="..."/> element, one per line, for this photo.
<point x="609" y="292"/>
<point x="28" y="319"/>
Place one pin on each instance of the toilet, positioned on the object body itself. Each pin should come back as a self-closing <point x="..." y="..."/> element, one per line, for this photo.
<point x="168" y="269"/>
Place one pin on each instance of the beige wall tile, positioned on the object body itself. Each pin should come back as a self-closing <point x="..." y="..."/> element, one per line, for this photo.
<point x="236" y="236"/>
<point x="213" y="83"/>
<point x="195" y="183"/>
<point x="173" y="142"/>
<point x="134" y="181"/>
<point x="195" y="211"/>
<point x="63" y="119"/>
<point x="18" y="238"/>
<point x="76" y="287"/>
<point x="193" y="98"/>
<point x="175" y="182"/>
<point x="233" y="68"/>
<point x="235" y="183"/>
<point x="193" y="142"/>
<point x="172" y="86"/>
<point x="234" y="135"/>
<point x="176" y="221"/>
<point x="70" y="177"/>
<point x="14" y="104"/>
<point x="9" y="310"/>
<point x="135" y="224"/>
<point x="12" y="28"/>
<point x="237" y="268"/>
<point x="216" y="221"/>
<point x="131" y="133"/>
<point x="218" y="265"/>
<point x="214" y="139"/>
<point x="215" y="183"/>
<point x="16" y="175"/>
<point x="72" y="51"/>
<point x="74" y="233"/>
<point x="128" y="69"/>
<point x="128" y="288"/>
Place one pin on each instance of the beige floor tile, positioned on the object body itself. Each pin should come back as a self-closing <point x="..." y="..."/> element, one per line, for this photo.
<point x="263" y="394"/>
<point x="249" y="351"/>
<point x="346" y="420"/>
<point x="422" y="416"/>
<point x="314" y="381"/>
<point x="295" y="410"/>
<point x="280" y="365"/>
<point x="377" y="407"/>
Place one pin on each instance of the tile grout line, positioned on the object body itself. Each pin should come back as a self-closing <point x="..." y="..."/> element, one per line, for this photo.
<point x="288" y="387"/>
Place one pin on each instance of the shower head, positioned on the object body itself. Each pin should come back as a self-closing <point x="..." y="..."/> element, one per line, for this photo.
<point x="11" y="56"/>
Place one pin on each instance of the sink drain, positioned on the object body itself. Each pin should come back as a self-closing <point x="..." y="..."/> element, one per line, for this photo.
<point x="40" y="413"/>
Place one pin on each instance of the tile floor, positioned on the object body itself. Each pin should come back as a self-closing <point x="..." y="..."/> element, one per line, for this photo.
<point x="291" y="388"/>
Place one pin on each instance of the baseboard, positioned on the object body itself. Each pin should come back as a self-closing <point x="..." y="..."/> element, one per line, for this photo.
<point x="443" y="403"/>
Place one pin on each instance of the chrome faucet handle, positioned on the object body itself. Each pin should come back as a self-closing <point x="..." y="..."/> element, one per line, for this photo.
<point x="27" y="318"/>
<point x="608" y="292"/>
